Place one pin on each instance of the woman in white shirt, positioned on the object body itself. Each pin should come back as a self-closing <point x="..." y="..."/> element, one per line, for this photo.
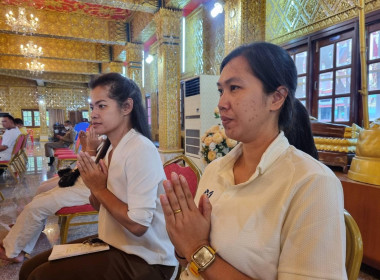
<point x="266" y="210"/>
<point x="125" y="187"/>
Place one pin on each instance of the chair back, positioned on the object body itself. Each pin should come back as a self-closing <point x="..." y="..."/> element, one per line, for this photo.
<point x="18" y="145"/>
<point x="188" y="169"/>
<point x="354" y="247"/>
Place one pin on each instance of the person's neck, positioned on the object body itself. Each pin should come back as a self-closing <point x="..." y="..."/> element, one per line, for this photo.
<point x="116" y="136"/>
<point x="254" y="150"/>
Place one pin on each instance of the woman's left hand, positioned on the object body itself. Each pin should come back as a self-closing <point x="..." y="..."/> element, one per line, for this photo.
<point x="187" y="225"/>
<point x="93" y="175"/>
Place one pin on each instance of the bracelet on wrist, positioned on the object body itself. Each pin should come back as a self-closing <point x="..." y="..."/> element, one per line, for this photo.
<point x="178" y="256"/>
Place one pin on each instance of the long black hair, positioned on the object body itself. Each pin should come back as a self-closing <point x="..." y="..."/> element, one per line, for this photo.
<point x="120" y="89"/>
<point x="273" y="66"/>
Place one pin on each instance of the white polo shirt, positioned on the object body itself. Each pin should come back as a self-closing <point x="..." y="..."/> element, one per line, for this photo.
<point x="285" y="222"/>
<point x="9" y="140"/>
<point x="135" y="176"/>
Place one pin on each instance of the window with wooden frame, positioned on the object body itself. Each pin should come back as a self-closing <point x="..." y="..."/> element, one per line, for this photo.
<point x="373" y="64"/>
<point x="334" y="83"/>
<point x="31" y="117"/>
<point x="300" y="57"/>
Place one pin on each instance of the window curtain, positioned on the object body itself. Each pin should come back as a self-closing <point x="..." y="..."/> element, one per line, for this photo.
<point x="56" y="116"/>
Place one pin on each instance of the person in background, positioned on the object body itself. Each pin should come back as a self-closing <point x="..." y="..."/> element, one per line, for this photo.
<point x="82" y="126"/>
<point x="20" y="124"/>
<point x="24" y="234"/>
<point x="8" y="139"/>
<point x="64" y="141"/>
<point x="125" y="188"/>
<point x="266" y="210"/>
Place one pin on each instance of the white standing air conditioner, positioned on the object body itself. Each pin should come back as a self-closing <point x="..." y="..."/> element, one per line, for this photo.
<point x="201" y="98"/>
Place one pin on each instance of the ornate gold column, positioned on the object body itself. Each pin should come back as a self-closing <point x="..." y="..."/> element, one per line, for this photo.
<point x="244" y="22"/>
<point x="133" y="60"/>
<point x="151" y="84"/>
<point x="168" y="24"/>
<point x="44" y="132"/>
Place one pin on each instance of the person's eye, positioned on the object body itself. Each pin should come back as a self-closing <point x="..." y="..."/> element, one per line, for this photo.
<point x="220" y="91"/>
<point x="102" y="106"/>
<point x="91" y="108"/>
<point x="233" y="87"/>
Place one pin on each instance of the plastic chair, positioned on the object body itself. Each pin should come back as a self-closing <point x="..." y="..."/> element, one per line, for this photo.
<point x="354" y="247"/>
<point x="189" y="170"/>
<point x="66" y="214"/>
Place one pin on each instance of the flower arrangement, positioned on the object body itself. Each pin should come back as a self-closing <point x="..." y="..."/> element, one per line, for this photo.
<point x="215" y="143"/>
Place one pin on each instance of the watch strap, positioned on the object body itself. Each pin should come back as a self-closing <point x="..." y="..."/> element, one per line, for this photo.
<point x="194" y="269"/>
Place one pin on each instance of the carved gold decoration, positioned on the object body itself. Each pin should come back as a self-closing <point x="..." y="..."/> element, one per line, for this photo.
<point x="149" y="6"/>
<point x="112" y="67"/>
<point x="345" y="145"/>
<point x="244" y="22"/>
<point x="7" y="80"/>
<point x="195" y="42"/>
<point x="140" y="29"/>
<point x="287" y="19"/>
<point x="42" y="108"/>
<point x="151" y="78"/>
<point x="118" y="53"/>
<point x="50" y="77"/>
<point x="134" y="60"/>
<point x="66" y="25"/>
<point x="213" y="47"/>
<point x="146" y="33"/>
<point x="168" y="33"/>
<point x="176" y="4"/>
<point x="51" y="65"/>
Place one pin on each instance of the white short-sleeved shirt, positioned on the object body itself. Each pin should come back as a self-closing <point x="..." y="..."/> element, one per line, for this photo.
<point x="9" y="140"/>
<point x="135" y="176"/>
<point x="285" y="222"/>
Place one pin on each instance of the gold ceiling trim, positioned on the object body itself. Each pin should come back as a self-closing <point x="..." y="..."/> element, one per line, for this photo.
<point x="176" y="4"/>
<point x="56" y="48"/>
<point x="148" y="6"/>
<point x="48" y="77"/>
<point x="51" y="65"/>
<point x="73" y="26"/>
<point x="142" y="27"/>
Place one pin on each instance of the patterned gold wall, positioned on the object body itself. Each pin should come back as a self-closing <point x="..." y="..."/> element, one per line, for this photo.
<point x="290" y="19"/>
<point x="194" y="42"/>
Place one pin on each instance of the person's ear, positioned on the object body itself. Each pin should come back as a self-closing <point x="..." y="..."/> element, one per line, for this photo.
<point x="127" y="107"/>
<point x="278" y="98"/>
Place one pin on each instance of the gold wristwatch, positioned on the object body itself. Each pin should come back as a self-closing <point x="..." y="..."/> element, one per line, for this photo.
<point x="201" y="259"/>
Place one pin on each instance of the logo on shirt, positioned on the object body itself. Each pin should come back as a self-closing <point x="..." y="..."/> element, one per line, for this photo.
<point x="208" y="193"/>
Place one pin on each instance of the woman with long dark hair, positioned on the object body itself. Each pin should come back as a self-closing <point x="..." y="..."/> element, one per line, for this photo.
<point x="125" y="187"/>
<point x="266" y="210"/>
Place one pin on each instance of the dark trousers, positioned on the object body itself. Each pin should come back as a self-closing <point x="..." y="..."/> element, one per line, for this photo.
<point x="112" y="264"/>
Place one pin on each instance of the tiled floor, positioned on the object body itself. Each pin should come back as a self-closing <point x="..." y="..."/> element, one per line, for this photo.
<point x="17" y="195"/>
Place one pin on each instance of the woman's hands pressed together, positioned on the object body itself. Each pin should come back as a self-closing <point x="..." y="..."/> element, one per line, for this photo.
<point x="93" y="175"/>
<point x="188" y="226"/>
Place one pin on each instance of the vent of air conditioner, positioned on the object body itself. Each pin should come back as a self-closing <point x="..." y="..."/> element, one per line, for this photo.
<point x="192" y="87"/>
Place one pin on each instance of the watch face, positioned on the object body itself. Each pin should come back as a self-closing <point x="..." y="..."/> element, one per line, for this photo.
<point x="203" y="256"/>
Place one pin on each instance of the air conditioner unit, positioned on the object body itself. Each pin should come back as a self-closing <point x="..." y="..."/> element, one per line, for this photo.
<point x="201" y="98"/>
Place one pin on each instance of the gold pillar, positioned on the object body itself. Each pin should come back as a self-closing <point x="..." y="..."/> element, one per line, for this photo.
<point x="244" y="22"/>
<point x="151" y="82"/>
<point x="44" y="132"/>
<point x="133" y="60"/>
<point x="168" y="24"/>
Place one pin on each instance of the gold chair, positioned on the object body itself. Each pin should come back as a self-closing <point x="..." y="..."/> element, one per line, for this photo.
<point x="354" y="247"/>
<point x="66" y="214"/>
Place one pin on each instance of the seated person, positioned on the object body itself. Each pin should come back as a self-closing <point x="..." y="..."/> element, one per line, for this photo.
<point x="64" y="141"/>
<point x="125" y="187"/>
<point x="24" y="234"/>
<point x="9" y="138"/>
<point x="266" y="210"/>
<point x="20" y="124"/>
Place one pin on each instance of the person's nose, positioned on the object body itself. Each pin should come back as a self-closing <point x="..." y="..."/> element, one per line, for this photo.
<point x="223" y="103"/>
